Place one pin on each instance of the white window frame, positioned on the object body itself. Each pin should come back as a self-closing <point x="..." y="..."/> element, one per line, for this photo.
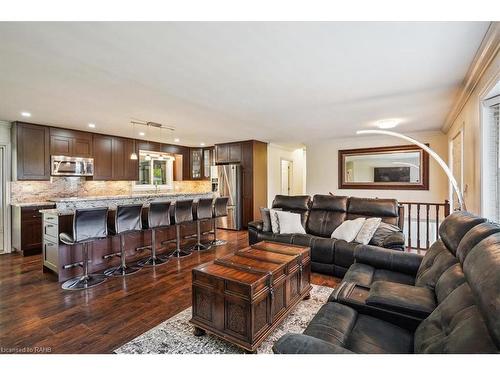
<point x="170" y="179"/>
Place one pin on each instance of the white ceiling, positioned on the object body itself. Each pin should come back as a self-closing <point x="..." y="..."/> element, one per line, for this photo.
<point x="215" y="82"/>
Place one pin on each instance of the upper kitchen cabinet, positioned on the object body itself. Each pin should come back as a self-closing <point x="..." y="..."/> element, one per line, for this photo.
<point x="228" y="153"/>
<point x="31" y="159"/>
<point x="112" y="158"/>
<point x="103" y="157"/>
<point x="200" y="160"/>
<point x="70" y="143"/>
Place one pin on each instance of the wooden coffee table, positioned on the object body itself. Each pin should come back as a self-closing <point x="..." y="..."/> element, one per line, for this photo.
<point x="242" y="297"/>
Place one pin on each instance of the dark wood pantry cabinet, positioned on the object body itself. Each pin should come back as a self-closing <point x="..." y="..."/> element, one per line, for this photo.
<point x="30" y="152"/>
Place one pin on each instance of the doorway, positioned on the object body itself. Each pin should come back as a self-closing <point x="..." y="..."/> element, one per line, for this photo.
<point x="456" y="163"/>
<point x="286" y="177"/>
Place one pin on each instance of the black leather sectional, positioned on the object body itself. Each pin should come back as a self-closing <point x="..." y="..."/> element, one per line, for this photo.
<point x="447" y="301"/>
<point x="320" y="216"/>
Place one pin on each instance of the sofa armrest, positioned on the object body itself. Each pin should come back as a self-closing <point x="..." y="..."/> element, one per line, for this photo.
<point x="395" y="241"/>
<point x="294" y="343"/>
<point x="257" y="225"/>
<point x="392" y="260"/>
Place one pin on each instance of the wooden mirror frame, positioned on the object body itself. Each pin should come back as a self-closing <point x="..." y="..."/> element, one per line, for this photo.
<point x="424" y="162"/>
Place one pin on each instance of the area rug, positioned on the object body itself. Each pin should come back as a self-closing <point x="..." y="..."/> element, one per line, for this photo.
<point x="175" y="335"/>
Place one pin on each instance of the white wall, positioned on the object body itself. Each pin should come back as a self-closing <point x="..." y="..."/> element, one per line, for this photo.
<point x="469" y="120"/>
<point x="322" y="167"/>
<point x="275" y="153"/>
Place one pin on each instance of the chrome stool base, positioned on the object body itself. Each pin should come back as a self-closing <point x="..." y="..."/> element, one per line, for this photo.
<point x="178" y="253"/>
<point x="152" y="262"/>
<point x="121" y="271"/>
<point x="83" y="282"/>
<point x="200" y="247"/>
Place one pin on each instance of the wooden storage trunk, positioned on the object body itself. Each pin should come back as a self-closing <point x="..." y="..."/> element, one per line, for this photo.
<point x="242" y="297"/>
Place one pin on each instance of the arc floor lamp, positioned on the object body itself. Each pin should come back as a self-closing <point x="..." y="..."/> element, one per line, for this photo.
<point x="435" y="156"/>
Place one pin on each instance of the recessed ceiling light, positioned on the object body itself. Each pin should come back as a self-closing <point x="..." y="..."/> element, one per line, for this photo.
<point x="91" y="125"/>
<point x="25" y="114"/>
<point x="177" y="140"/>
<point x="142" y="134"/>
<point x="202" y="144"/>
<point x="387" y="124"/>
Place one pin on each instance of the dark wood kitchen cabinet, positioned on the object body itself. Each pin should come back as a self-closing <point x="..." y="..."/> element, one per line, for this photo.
<point x="200" y="161"/>
<point x="31" y="153"/>
<point x="70" y="143"/>
<point x="252" y="156"/>
<point x="27" y="229"/>
<point x="103" y="157"/>
<point x="228" y="153"/>
<point x="112" y="158"/>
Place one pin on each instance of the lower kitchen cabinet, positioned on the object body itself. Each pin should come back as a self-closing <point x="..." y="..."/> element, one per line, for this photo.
<point x="27" y="231"/>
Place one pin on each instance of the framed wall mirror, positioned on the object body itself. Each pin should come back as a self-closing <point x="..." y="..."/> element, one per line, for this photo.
<point x="394" y="167"/>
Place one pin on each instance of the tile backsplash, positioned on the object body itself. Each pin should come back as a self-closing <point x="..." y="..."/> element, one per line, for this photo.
<point x="62" y="187"/>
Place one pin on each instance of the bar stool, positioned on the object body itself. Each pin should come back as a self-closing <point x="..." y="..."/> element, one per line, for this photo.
<point x="183" y="213"/>
<point x="127" y="219"/>
<point x="220" y="210"/>
<point x="202" y="211"/>
<point x="88" y="225"/>
<point x="158" y="217"/>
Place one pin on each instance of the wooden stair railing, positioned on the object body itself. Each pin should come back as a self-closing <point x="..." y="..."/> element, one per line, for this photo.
<point x="425" y="213"/>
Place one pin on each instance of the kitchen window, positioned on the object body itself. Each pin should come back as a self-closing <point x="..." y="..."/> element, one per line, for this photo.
<point x="156" y="171"/>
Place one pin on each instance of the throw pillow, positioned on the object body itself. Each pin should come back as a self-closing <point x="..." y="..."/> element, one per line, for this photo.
<point x="266" y="219"/>
<point x="367" y="231"/>
<point x="290" y="222"/>
<point x="348" y="230"/>
<point x="382" y="232"/>
<point x="275" y="225"/>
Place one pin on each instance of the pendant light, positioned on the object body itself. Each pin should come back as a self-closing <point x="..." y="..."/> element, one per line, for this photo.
<point x="133" y="155"/>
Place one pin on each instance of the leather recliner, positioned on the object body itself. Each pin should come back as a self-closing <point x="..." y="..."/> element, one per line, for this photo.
<point x="320" y="217"/>
<point x="464" y="321"/>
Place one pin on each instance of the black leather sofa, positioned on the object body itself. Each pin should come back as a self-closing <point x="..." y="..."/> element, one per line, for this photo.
<point x="320" y="216"/>
<point x="463" y="272"/>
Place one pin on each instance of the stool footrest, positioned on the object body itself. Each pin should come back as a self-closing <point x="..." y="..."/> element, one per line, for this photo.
<point x="107" y="256"/>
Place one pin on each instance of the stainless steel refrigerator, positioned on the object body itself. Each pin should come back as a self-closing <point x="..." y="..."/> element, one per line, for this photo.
<point x="226" y="181"/>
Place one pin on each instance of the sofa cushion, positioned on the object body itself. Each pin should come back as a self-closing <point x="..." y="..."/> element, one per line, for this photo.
<point x="455" y="227"/>
<point x="367" y="231"/>
<point x="383" y="231"/>
<point x="473" y="237"/>
<point x="365" y="275"/>
<point x="298" y="204"/>
<point x="455" y="326"/>
<point x="406" y="299"/>
<point x="386" y="209"/>
<point x="482" y="271"/>
<point x="344" y="253"/>
<point x="343" y="326"/>
<point x="349" y="229"/>
<point x="327" y="213"/>
<point x="435" y="262"/>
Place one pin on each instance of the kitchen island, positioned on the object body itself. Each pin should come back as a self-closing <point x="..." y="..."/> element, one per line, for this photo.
<point x="65" y="260"/>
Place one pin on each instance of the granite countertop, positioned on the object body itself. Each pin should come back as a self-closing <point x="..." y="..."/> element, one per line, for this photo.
<point x="32" y="204"/>
<point x="131" y="196"/>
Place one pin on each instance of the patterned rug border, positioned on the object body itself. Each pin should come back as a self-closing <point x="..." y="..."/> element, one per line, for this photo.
<point x="175" y="335"/>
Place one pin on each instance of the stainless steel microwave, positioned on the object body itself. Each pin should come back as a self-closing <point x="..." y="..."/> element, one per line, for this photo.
<point x="71" y="166"/>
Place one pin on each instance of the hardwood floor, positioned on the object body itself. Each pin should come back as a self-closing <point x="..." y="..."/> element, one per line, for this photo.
<point x="36" y="314"/>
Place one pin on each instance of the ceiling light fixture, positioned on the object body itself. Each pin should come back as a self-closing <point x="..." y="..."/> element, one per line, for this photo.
<point x="202" y="144"/>
<point x="177" y="140"/>
<point x="142" y="134"/>
<point x="25" y="114"/>
<point x="91" y="125"/>
<point x="387" y="124"/>
<point x="133" y="155"/>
